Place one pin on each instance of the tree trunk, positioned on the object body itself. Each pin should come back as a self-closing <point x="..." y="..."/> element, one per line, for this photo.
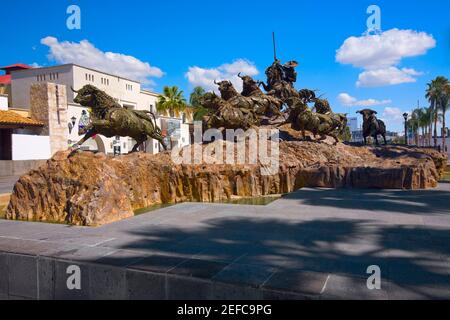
<point x="443" y="132"/>
<point x="430" y="130"/>
<point x="435" y="130"/>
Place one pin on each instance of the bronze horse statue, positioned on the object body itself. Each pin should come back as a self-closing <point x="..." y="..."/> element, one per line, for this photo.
<point x="110" y="119"/>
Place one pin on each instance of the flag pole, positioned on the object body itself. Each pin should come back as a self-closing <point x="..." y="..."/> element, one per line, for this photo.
<point x="274" y="47"/>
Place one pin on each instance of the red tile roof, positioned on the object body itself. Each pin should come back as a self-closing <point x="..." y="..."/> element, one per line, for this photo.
<point x="5" y="79"/>
<point x="16" y="66"/>
<point x="13" y="118"/>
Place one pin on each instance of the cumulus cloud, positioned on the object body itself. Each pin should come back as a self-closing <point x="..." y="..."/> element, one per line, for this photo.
<point x="205" y="77"/>
<point x="386" y="76"/>
<point x="393" y="115"/>
<point x="86" y="54"/>
<point x="379" y="55"/>
<point x="347" y="100"/>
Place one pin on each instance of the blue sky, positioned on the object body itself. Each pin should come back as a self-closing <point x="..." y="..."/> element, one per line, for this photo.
<point x="185" y="43"/>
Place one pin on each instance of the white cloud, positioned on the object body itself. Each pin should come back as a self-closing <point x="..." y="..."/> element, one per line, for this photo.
<point x="203" y="77"/>
<point x="392" y="114"/>
<point x="379" y="55"/>
<point x="386" y="76"/>
<point x="86" y="54"/>
<point x="349" y="101"/>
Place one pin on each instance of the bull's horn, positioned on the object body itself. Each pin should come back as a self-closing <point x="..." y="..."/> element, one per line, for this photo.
<point x="358" y="111"/>
<point x="239" y="75"/>
<point x="71" y="88"/>
<point x="215" y="82"/>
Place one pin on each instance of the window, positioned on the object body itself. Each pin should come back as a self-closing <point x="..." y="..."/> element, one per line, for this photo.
<point x="86" y="76"/>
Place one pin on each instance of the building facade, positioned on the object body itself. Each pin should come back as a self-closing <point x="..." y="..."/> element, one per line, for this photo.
<point x="126" y="92"/>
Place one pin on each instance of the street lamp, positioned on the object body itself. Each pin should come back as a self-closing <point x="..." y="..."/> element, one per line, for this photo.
<point x="405" y="116"/>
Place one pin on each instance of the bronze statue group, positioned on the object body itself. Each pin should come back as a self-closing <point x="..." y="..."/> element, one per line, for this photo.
<point x="279" y="104"/>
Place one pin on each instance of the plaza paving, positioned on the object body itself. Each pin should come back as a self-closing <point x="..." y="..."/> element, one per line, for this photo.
<point x="313" y="244"/>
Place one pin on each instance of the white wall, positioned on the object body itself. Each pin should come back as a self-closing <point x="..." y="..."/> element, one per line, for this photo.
<point x="21" y="82"/>
<point x="3" y="102"/>
<point x="29" y="147"/>
<point x="117" y="87"/>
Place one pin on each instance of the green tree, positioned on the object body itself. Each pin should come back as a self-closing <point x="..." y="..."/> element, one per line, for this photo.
<point x="196" y="94"/>
<point x="413" y="124"/>
<point x="171" y="101"/>
<point x="437" y="95"/>
<point x="194" y="101"/>
<point x="444" y="107"/>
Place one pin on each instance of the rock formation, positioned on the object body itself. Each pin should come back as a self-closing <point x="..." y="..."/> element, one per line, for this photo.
<point x="93" y="189"/>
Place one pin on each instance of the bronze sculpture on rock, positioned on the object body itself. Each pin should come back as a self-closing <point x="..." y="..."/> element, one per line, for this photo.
<point x="372" y="126"/>
<point x="225" y="115"/>
<point x="252" y="106"/>
<point x="110" y="119"/>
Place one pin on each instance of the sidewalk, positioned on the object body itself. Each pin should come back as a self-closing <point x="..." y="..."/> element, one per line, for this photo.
<point x="311" y="244"/>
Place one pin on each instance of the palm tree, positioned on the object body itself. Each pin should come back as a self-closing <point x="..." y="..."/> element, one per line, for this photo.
<point x="422" y="123"/>
<point x="171" y="101"/>
<point x="196" y="94"/>
<point x="437" y="95"/>
<point x="194" y="101"/>
<point x="444" y="107"/>
<point x="413" y="123"/>
<point x="427" y="122"/>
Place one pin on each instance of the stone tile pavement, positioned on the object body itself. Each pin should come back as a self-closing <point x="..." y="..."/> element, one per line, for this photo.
<point x="311" y="244"/>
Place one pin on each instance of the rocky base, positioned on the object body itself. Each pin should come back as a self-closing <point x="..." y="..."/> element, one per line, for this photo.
<point x="90" y="190"/>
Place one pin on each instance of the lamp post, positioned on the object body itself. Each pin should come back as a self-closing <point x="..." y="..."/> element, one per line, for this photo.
<point x="405" y="116"/>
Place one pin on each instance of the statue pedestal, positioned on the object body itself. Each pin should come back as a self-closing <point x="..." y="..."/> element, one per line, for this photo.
<point x="94" y="189"/>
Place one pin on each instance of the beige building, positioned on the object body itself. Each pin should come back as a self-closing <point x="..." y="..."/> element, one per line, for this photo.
<point x="127" y="92"/>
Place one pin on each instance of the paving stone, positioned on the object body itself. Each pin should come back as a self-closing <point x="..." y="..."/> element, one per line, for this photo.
<point x="122" y="258"/>
<point x="4" y="272"/>
<point x="82" y="254"/>
<point x="145" y="285"/>
<point x="225" y="291"/>
<point x="346" y="287"/>
<point x="22" y="272"/>
<point x="107" y="283"/>
<point x="157" y="263"/>
<point x="182" y="288"/>
<point x="198" y="268"/>
<point x="244" y="275"/>
<point x="63" y="278"/>
<point x="305" y="282"/>
<point x="46" y="278"/>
